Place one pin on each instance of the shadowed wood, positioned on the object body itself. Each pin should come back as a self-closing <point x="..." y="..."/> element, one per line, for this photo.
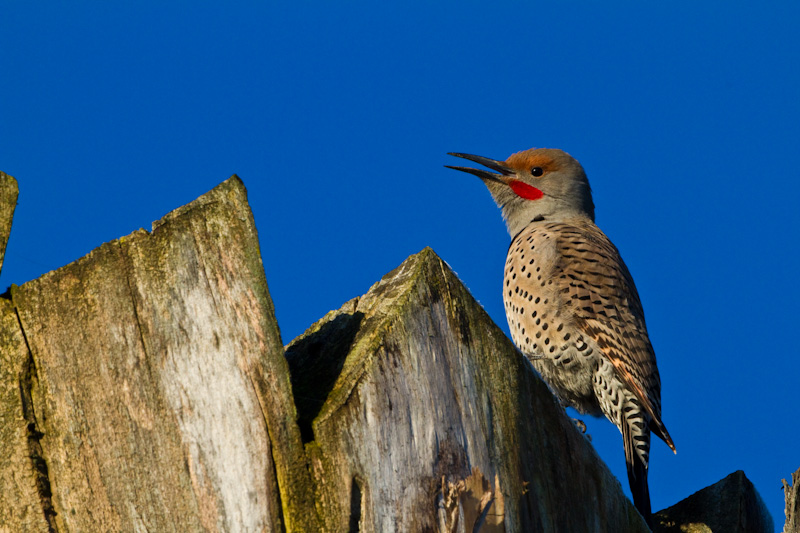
<point x="731" y="505"/>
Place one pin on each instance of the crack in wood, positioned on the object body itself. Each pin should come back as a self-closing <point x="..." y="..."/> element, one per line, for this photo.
<point x="35" y="450"/>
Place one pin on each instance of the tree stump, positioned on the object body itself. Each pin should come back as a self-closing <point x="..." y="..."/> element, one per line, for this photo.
<point x="158" y="396"/>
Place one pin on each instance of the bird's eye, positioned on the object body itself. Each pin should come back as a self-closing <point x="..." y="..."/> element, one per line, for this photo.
<point x="537" y="171"/>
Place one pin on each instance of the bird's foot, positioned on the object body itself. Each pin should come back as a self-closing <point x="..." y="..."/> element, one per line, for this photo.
<point x="581" y="425"/>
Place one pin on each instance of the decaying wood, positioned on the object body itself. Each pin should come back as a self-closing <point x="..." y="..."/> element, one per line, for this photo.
<point x="410" y="393"/>
<point x="8" y="202"/>
<point x="161" y="390"/>
<point x="790" y="492"/>
<point x="471" y="504"/>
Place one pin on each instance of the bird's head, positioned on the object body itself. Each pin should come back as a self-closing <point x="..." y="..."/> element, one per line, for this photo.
<point x="540" y="183"/>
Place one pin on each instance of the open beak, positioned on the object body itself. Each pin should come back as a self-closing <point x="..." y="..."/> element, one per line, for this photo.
<point x="485" y="161"/>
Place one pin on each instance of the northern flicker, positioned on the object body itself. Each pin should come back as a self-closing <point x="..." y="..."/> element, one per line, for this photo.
<point x="571" y="304"/>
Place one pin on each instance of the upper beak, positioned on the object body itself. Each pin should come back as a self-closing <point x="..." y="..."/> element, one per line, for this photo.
<point x="485" y="161"/>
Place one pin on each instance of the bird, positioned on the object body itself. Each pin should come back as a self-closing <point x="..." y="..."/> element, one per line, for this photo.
<point x="572" y="307"/>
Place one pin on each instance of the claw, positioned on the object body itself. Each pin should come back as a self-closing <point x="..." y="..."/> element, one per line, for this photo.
<point x="580" y="424"/>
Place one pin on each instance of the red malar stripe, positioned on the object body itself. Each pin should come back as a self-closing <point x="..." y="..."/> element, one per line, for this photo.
<point x="523" y="190"/>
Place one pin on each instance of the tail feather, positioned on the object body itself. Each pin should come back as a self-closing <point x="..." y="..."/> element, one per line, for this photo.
<point x="660" y="429"/>
<point x="637" y="474"/>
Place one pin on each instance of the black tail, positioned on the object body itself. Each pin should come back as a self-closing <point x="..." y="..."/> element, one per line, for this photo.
<point x="637" y="469"/>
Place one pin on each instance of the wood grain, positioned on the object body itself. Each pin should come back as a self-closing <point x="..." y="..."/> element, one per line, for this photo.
<point x="8" y="202"/>
<point x="161" y="379"/>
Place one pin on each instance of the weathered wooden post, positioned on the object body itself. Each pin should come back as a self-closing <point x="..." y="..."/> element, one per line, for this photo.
<point x="145" y="387"/>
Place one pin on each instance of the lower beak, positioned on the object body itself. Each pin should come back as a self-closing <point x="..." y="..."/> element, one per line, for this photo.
<point x="485" y="161"/>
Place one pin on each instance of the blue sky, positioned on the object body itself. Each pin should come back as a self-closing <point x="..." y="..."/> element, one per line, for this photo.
<point x="338" y="118"/>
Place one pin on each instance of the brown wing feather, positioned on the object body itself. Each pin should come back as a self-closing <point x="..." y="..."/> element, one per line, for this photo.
<point x="607" y="308"/>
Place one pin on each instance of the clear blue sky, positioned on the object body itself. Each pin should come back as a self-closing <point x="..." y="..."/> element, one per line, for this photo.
<point x="337" y="118"/>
